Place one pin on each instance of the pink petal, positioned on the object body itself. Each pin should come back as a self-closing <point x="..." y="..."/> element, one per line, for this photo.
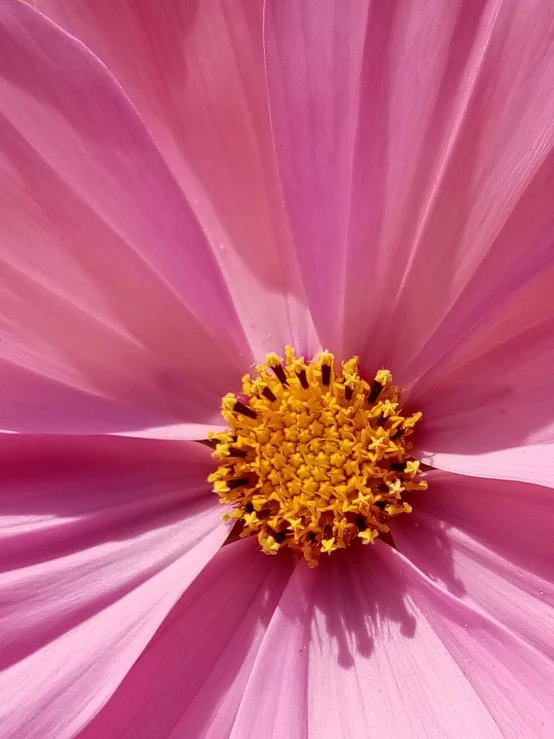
<point x="512" y="680"/>
<point x="274" y="702"/>
<point x="317" y="90"/>
<point x="534" y="464"/>
<point x="195" y="72"/>
<point x="177" y="432"/>
<point x="414" y="142"/>
<point x="99" y="538"/>
<point x="113" y="310"/>
<point x="519" y="313"/>
<point x="488" y="543"/>
<point x="375" y="666"/>
<point x="349" y="652"/>
<point x="190" y="679"/>
<point x="501" y="399"/>
<point x="346" y="650"/>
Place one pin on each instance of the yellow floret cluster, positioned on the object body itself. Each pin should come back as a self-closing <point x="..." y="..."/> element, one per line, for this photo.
<point x="315" y="457"/>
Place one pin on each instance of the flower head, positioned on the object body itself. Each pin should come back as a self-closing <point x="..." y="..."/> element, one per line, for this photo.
<point x="186" y="190"/>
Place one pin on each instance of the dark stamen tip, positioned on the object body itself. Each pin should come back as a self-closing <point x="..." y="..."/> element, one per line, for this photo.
<point x="381" y="504"/>
<point x="244" y="410"/>
<point x="280" y="374"/>
<point x="361" y="524"/>
<point x="327" y="531"/>
<point x="326" y="374"/>
<point x="238" y="483"/>
<point x="249" y="508"/>
<point x="264" y="513"/>
<point x="397" y="434"/>
<point x="267" y="393"/>
<point x="348" y="393"/>
<point x="281" y="536"/>
<point x="398" y="466"/>
<point x="374" y="392"/>
<point x="303" y="379"/>
<point x="234" y="452"/>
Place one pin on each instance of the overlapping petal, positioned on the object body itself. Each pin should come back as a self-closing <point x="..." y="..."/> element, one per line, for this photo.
<point x="511" y="679"/>
<point x="489" y="406"/>
<point x="275" y="697"/>
<point x="332" y="652"/>
<point x="533" y="464"/>
<point x="495" y="413"/>
<point x="195" y="73"/>
<point x="99" y="538"/>
<point x="114" y="312"/>
<point x="489" y="543"/>
<point x="207" y="646"/>
<point x="416" y="165"/>
<point x="375" y="664"/>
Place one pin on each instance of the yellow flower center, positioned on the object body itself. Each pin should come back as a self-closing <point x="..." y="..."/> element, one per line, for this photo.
<point x="314" y="459"/>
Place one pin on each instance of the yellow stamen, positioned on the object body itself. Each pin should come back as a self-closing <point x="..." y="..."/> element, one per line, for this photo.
<point x="314" y="458"/>
<point x="383" y="377"/>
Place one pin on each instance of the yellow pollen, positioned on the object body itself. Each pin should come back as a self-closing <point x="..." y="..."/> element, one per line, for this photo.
<point x="314" y="459"/>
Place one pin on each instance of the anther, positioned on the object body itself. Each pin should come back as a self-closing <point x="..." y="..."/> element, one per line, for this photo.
<point x="303" y="379"/>
<point x="326" y="374"/>
<point x="266" y="392"/>
<point x="397" y="434"/>
<point x="348" y="392"/>
<point x="280" y="374"/>
<point x="244" y="410"/>
<point x="281" y="536"/>
<point x="238" y="483"/>
<point x="375" y="392"/>
<point x="361" y="524"/>
<point x="234" y="452"/>
<point x="398" y="466"/>
<point x="249" y="508"/>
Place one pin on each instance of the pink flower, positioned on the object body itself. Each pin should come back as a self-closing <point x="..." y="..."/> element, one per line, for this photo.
<point x="370" y="177"/>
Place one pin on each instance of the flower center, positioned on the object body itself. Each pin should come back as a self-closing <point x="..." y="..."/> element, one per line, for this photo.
<point x="314" y="459"/>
